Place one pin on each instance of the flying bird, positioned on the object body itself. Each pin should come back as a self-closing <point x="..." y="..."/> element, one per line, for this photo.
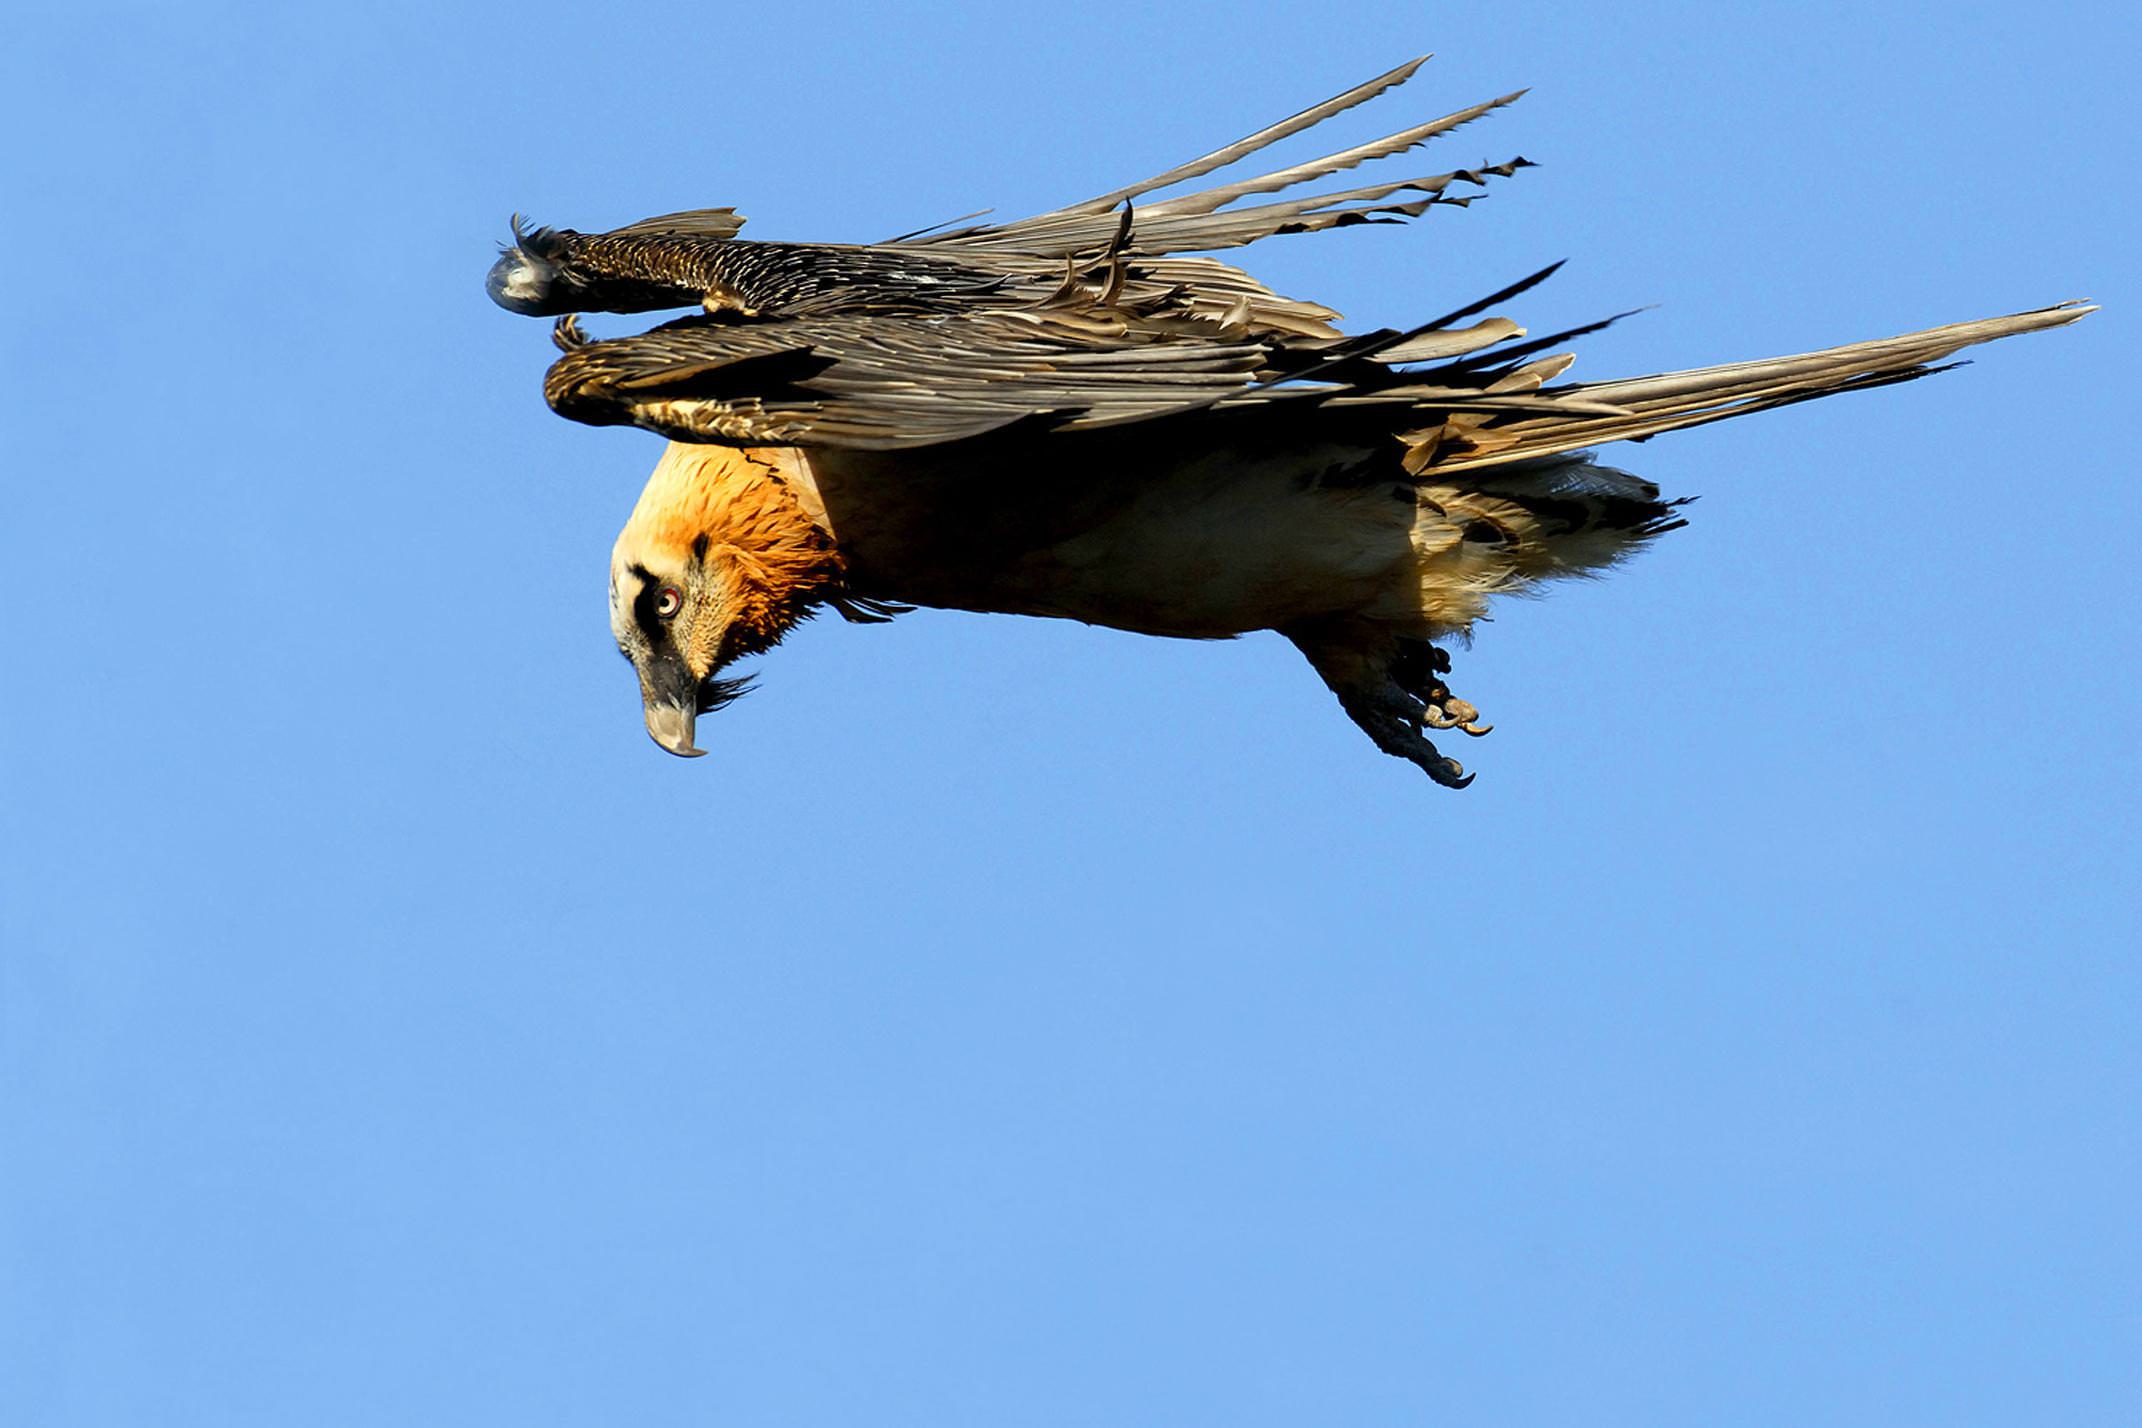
<point x="1078" y="415"/>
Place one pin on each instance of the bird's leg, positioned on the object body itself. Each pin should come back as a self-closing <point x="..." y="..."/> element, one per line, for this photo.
<point x="1391" y="688"/>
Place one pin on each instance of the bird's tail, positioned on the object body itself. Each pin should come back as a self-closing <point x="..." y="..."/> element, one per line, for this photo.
<point x="1521" y="418"/>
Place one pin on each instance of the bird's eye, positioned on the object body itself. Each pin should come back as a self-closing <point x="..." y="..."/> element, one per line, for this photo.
<point x="668" y="602"/>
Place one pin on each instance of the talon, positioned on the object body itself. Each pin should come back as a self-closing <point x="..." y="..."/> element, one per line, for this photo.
<point x="1450" y="773"/>
<point x="1397" y="705"/>
<point x="565" y="333"/>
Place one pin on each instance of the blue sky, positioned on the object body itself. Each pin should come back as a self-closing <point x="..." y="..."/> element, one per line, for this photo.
<point x="1013" y="1022"/>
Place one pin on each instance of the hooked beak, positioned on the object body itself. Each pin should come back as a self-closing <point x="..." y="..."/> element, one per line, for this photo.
<point x="670" y="725"/>
<point x="674" y="701"/>
<point x="671" y="698"/>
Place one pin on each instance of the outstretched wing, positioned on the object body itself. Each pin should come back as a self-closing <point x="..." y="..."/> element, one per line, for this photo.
<point x="1090" y="315"/>
<point x="879" y="383"/>
<point x="882" y="382"/>
<point x="695" y="259"/>
<point x="1084" y="316"/>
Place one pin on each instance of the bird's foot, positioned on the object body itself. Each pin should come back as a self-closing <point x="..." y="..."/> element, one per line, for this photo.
<point x="1418" y="670"/>
<point x="1394" y="690"/>
<point x="1395" y="719"/>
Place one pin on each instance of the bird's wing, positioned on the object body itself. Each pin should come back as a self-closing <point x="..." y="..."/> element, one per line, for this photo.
<point x="882" y="382"/>
<point x="711" y="223"/>
<point x="1193" y="223"/>
<point x="1080" y="358"/>
<point x="1150" y="234"/>
<point x="1089" y="315"/>
<point x="695" y="258"/>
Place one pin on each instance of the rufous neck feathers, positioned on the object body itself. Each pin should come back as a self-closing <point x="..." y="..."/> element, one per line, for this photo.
<point x="736" y="509"/>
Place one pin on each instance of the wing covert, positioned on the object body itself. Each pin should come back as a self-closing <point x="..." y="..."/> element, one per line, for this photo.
<point x="880" y="383"/>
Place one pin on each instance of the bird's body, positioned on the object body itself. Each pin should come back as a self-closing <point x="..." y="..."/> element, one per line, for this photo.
<point x="1220" y="539"/>
<point x="1330" y="543"/>
<point x="1220" y="543"/>
<point x="1060" y="417"/>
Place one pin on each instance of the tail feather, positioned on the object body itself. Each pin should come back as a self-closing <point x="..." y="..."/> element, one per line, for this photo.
<point x="1528" y="521"/>
<point x="1671" y="400"/>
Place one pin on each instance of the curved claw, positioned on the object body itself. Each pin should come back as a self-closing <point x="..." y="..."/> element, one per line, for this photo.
<point x="1476" y="728"/>
<point x="566" y="334"/>
<point x="1436" y="718"/>
<point x="1450" y="773"/>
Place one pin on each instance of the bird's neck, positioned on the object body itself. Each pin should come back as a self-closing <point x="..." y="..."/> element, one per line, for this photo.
<point x="740" y="505"/>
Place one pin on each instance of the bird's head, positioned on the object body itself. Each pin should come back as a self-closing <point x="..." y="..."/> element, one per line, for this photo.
<point x="672" y="613"/>
<point x="529" y="277"/>
<point x="718" y="562"/>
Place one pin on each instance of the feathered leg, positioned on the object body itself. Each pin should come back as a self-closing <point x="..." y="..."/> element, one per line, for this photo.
<point x="1472" y="540"/>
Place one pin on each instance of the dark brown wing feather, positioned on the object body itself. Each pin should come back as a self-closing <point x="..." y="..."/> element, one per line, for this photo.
<point x="1087" y="316"/>
<point x="695" y="259"/>
<point x="845" y="380"/>
<point x="881" y="382"/>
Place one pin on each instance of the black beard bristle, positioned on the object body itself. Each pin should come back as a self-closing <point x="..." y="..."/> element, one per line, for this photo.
<point x="721" y="693"/>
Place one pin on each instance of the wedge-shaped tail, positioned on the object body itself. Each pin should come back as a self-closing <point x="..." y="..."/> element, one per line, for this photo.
<point x="1577" y="415"/>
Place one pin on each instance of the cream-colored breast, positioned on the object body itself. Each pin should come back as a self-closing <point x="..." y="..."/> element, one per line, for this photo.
<point x="1221" y="543"/>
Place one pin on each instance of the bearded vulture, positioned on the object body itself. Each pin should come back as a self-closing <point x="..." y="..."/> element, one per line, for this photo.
<point x="1066" y="415"/>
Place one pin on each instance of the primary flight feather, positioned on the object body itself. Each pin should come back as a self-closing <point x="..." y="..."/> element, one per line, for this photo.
<point x="1074" y="415"/>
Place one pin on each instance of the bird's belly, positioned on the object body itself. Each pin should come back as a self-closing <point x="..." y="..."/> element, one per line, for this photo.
<point x="1222" y="544"/>
<point x="1258" y="555"/>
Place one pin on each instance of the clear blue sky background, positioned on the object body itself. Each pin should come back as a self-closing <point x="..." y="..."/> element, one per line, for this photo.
<point x="1017" y="1023"/>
